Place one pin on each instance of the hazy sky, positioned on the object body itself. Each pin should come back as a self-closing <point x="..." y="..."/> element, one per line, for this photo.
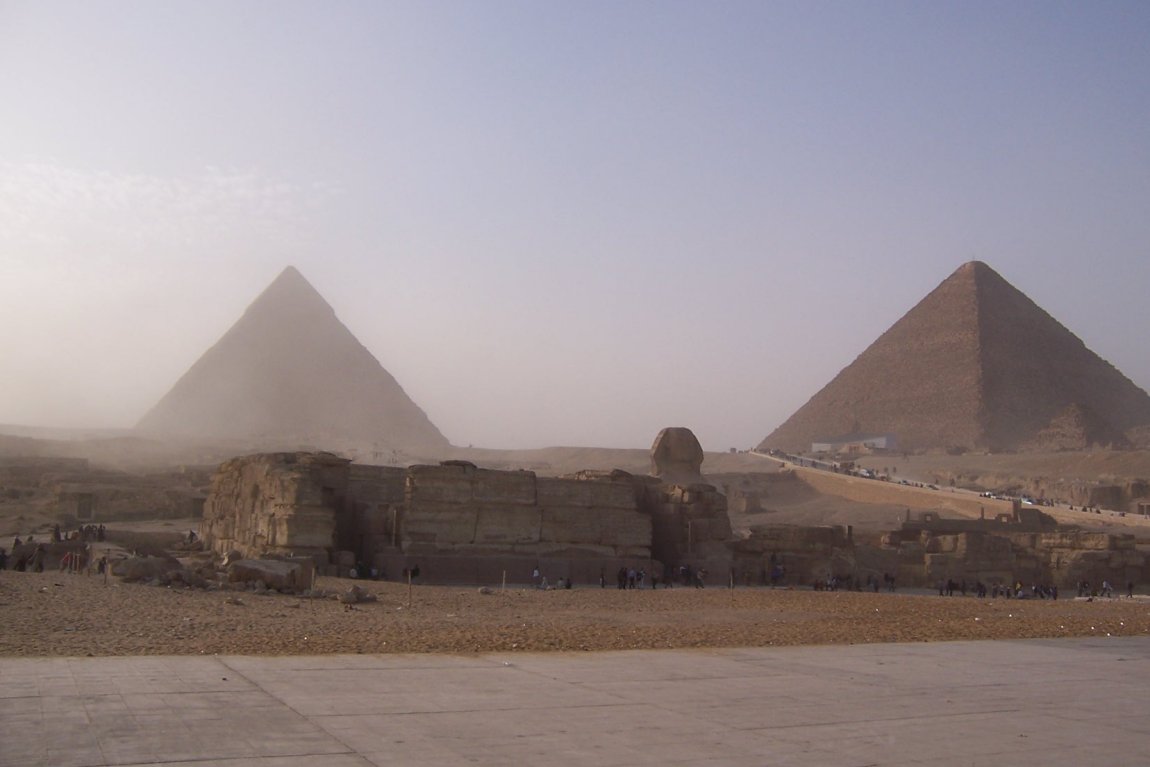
<point x="559" y="223"/>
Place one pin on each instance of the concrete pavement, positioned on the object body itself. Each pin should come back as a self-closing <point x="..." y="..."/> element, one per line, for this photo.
<point x="1042" y="702"/>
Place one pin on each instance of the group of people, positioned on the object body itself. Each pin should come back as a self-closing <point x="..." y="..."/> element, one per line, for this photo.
<point x="27" y="556"/>
<point x="1106" y="590"/>
<point x="84" y="533"/>
<point x="949" y="587"/>
<point x="539" y="581"/>
<point x="630" y="578"/>
<point x="33" y="556"/>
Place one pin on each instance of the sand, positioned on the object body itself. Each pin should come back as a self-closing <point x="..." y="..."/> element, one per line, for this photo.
<point x="54" y="614"/>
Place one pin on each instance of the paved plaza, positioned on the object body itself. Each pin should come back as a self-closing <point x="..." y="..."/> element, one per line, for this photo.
<point x="1018" y="703"/>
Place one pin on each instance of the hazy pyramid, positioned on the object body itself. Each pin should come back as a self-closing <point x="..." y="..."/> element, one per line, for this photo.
<point x="976" y="364"/>
<point x="290" y="370"/>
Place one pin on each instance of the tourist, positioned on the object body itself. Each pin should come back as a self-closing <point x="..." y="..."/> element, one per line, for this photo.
<point x="38" y="556"/>
<point x="1129" y="584"/>
<point x="4" y="561"/>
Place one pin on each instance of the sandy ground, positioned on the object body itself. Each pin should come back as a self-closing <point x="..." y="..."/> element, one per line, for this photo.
<point x="53" y="614"/>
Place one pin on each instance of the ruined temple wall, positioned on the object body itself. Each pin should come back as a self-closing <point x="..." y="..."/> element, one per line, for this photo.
<point x="369" y="518"/>
<point x="1060" y="558"/>
<point x="275" y="504"/>
<point x="465" y="524"/>
<point x="458" y="508"/>
<point x="807" y="554"/>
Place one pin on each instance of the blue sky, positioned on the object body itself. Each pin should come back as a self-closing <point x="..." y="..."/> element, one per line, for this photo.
<point x="559" y="223"/>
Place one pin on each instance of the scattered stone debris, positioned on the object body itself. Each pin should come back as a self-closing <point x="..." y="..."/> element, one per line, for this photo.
<point x="285" y="576"/>
<point x="147" y="569"/>
<point x="356" y="595"/>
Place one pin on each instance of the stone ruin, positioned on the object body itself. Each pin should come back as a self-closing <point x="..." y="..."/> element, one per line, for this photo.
<point x="1026" y="546"/>
<point x="459" y="523"/>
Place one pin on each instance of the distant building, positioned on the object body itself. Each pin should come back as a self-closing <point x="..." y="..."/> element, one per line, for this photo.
<point x="855" y="443"/>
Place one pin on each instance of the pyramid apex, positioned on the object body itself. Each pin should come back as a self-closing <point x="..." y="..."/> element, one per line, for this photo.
<point x="975" y="268"/>
<point x="290" y="274"/>
<point x="288" y="287"/>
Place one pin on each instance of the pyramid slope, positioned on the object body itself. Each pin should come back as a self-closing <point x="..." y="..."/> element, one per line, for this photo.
<point x="290" y="370"/>
<point x="975" y="364"/>
<point x="1034" y="369"/>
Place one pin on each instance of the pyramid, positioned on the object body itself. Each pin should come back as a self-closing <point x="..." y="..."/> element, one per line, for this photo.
<point x="975" y="365"/>
<point x="290" y="372"/>
<point x="1076" y="428"/>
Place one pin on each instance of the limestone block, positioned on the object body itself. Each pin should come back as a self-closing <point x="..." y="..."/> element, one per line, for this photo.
<point x="507" y="525"/>
<point x="633" y="552"/>
<point x="577" y="525"/>
<point x="438" y="489"/>
<point x="293" y="575"/>
<point x="570" y="525"/>
<point x="377" y="484"/>
<point x="560" y="549"/>
<point x="144" y="568"/>
<point x="1127" y="559"/>
<point x="563" y="492"/>
<point x="305" y="527"/>
<point x="441" y="522"/>
<point x="624" y="527"/>
<point x="611" y="495"/>
<point x="504" y="487"/>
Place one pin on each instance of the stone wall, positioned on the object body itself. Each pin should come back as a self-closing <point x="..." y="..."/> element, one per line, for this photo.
<point x="926" y="551"/>
<point x="455" y="521"/>
<point x="808" y="554"/>
<point x="463" y="523"/>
